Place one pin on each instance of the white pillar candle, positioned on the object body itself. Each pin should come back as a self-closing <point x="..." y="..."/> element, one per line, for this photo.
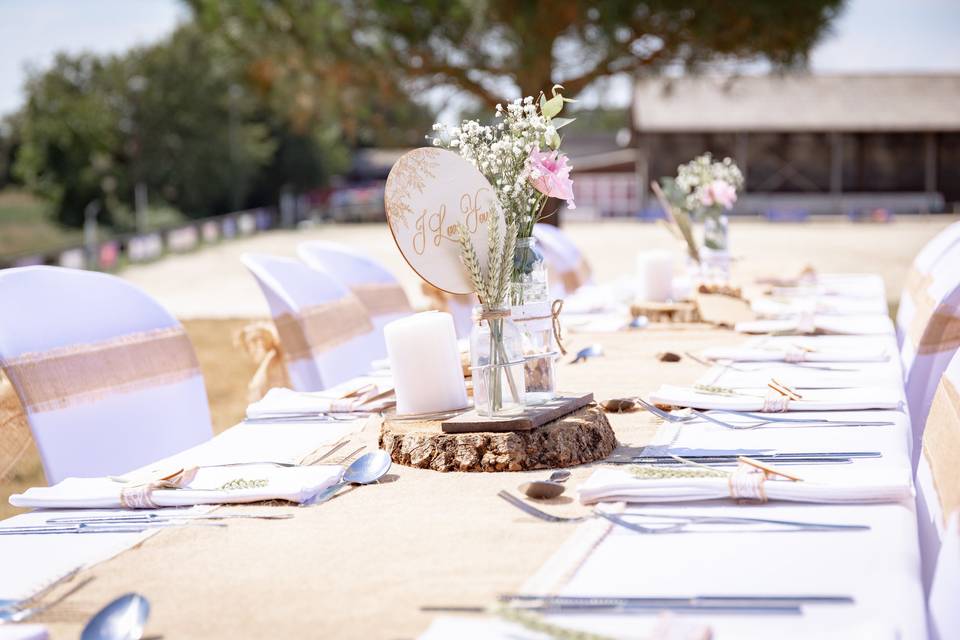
<point x="425" y="360"/>
<point x="655" y="275"/>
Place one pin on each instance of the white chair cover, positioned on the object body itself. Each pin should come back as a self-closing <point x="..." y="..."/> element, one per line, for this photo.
<point x="943" y="244"/>
<point x="938" y="470"/>
<point x="325" y="332"/>
<point x="931" y="340"/>
<point x="107" y="377"/>
<point x="568" y="268"/>
<point x="944" y="603"/>
<point x="377" y="288"/>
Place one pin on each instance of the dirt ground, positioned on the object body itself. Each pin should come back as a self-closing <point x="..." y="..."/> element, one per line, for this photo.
<point x="215" y="296"/>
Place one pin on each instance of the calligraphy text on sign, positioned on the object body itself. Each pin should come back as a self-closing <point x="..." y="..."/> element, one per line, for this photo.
<point x="434" y="227"/>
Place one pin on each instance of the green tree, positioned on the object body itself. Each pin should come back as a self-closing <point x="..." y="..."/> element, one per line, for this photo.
<point x="495" y="49"/>
<point x="307" y="61"/>
<point x="172" y="116"/>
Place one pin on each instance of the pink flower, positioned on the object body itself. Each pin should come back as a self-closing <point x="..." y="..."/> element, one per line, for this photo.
<point x="549" y="173"/>
<point x="720" y="193"/>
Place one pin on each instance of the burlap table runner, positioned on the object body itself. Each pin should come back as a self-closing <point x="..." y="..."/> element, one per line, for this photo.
<point x="361" y="565"/>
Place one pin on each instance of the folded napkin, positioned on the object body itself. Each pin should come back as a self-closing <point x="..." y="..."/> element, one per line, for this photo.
<point x="851" y="285"/>
<point x="366" y="394"/>
<point x="208" y="485"/>
<point x="860" y="325"/>
<point x="769" y="308"/>
<point x="764" y="400"/>
<point x="748" y="354"/>
<point x="23" y="632"/>
<point x="622" y="485"/>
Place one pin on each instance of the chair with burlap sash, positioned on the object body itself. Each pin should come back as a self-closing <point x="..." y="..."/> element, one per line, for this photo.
<point x="931" y="340"/>
<point x="325" y="333"/>
<point x="372" y="283"/>
<point x="942" y="245"/>
<point x="107" y="377"/>
<point x="938" y="503"/>
<point x="569" y="269"/>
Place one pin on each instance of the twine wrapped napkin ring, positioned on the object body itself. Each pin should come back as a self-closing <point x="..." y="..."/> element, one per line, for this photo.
<point x="747" y="482"/>
<point x="140" y="496"/>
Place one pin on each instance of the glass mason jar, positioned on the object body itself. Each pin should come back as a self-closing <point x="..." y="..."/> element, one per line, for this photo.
<point x="715" y="255"/>
<point x="715" y="231"/>
<point x="530" y="295"/>
<point x="535" y="321"/>
<point x="496" y="358"/>
<point x="529" y="283"/>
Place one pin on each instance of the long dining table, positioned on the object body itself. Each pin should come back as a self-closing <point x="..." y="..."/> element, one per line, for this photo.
<point x="366" y="563"/>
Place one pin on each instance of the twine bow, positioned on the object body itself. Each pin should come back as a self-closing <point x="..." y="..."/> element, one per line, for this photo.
<point x="554" y="317"/>
<point x="140" y="496"/>
<point x="262" y="344"/>
<point x="747" y="481"/>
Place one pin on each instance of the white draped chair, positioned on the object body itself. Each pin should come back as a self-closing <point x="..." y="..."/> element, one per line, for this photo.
<point x="943" y="605"/>
<point x="569" y="269"/>
<point x="938" y="505"/>
<point x="326" y="335"/>
<point x="107" y="377"/>
<point x="942" y="245"/>
<point x="931" y="339"/>
<point x="373" y="284"/>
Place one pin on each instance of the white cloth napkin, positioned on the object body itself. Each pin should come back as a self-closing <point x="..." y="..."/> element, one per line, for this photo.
<point x="859" y="325"/>
<point x="23" y="632"/>
<point x="769" y="308"/>
<point x="616" y="485"/>
<point x="366" y="394"/>
<point x="814" y="400"/>
<point x="294" y="484"/>
<point x="754" y="354"/>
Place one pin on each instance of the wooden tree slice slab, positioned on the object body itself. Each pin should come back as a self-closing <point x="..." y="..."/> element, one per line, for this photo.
<point x="533" y="417"/>
<point x="577" y="438"/>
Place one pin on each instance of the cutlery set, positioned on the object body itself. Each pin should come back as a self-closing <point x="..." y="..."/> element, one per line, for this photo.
<point x="662" y="523"/>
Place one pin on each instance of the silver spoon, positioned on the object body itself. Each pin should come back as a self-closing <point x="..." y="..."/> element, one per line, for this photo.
<point x="552" y="487"/>
<point x="122" y="619"/>
<point x="368" y="468"/>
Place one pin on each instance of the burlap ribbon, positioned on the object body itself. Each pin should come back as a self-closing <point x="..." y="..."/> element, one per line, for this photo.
<point x="260" y="342"/>
<point x="941" y="445"/>
<point x="317" y="329"/>
<point x="933" y="328"/>
<point x="439" y="300"/>
<point x="15" y="435"/>
<point x="576" y="277"/>
<point x="382" y="298"/>
<point x="78" y="374"/>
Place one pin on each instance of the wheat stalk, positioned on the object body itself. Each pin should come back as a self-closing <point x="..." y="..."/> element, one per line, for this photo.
<point x="494" y="264"/>
<point x="468" y="256"/>
<point x="506" y="268"/>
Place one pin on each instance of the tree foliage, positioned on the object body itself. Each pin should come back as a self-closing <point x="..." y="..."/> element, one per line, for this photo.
<point x="167" y="116"/>
<point x="496" y="49"/>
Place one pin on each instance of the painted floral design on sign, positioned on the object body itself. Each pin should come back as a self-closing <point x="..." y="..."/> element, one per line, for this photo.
<point x="429" y="192"/>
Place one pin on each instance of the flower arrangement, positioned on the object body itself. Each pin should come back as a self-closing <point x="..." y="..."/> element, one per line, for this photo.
<point x="703" y="190"/>
<point x="519" y="154"/>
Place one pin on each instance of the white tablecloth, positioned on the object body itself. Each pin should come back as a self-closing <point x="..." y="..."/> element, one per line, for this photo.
<point x="879" y="568"/>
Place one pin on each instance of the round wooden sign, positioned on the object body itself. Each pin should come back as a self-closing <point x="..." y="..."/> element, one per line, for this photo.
<point x="428" y="192"/>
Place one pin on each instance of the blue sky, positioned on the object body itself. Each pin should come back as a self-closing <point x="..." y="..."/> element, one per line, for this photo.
<point x="871" y="35"/>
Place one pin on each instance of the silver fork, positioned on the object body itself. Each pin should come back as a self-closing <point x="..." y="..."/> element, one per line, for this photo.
<point x="680" y="522"/>
<point x="19" y="615"/>
<point x="669" y="417"/>
<point x="18" y="604"/>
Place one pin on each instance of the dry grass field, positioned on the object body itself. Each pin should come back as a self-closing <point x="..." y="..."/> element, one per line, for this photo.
<point x="210" y="290"/>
